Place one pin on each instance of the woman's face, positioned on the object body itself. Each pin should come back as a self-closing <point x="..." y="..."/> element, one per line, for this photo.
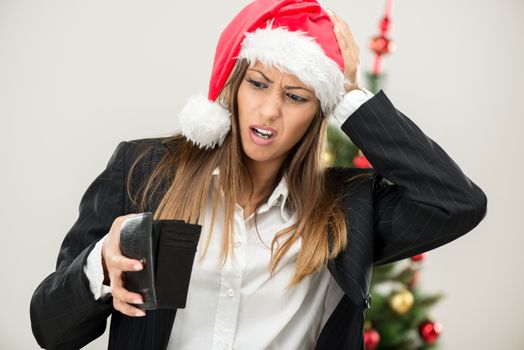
<point x="279" y="104"/>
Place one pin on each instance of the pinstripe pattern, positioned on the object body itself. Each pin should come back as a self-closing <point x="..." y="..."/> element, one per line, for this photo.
<point x="414" y="199"/>
<point x="420" y="200"/>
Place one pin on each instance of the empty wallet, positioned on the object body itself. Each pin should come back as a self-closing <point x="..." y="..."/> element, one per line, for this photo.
<point x="166" y="249"/>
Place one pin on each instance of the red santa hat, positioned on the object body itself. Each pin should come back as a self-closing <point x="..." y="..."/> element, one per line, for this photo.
<point x="295" y="36"/>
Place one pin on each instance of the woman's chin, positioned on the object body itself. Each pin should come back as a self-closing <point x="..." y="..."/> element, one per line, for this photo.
<point x="258" y="155"/>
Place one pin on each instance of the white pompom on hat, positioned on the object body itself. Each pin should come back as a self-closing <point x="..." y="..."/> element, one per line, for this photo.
<point x="295" y="36"/>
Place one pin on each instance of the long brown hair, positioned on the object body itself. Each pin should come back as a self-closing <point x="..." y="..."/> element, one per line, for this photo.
<point x="187" y="172"/>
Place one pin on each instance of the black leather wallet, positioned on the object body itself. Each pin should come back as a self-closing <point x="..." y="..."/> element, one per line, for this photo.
<point x="167" y="250"/>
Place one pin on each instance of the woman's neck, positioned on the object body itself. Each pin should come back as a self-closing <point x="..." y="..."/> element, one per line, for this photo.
<point x="263" y="175"/>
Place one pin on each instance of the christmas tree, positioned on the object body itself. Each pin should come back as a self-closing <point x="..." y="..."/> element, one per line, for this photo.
<point x="399" y="317"/>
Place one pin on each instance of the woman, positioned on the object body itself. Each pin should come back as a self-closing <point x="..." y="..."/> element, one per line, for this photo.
<point x="288" y="244"/>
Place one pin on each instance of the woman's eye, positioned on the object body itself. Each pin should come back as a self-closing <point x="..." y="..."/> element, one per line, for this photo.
<point x="296" y="98"/>
<point x="259" y="85"/>
<point x="255" y="83"/>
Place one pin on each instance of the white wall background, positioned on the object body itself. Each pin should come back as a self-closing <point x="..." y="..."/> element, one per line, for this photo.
<point x="77" y="77"/>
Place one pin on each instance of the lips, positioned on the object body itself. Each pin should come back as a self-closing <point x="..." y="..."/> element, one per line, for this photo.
<point x="259" y="140"/>
<point x="273" y="131"/>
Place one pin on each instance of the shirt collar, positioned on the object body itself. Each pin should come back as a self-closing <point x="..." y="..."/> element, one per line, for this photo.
<point x="277" y="198"/>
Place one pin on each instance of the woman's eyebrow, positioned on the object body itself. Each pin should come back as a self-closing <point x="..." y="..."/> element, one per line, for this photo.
<point x="286" y="87"/>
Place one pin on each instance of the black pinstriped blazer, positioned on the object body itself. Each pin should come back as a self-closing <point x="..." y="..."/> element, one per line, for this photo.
<point x="414" y="199"/>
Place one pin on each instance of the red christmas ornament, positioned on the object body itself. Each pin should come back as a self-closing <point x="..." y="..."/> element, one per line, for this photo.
<point x="429" y="331"/>
<point x="385" y="25"/>
<point x="381" y="45"/>
<point x="371" y="339"/>
<point x="419" y="257"/>
<point x="360" y="161"/>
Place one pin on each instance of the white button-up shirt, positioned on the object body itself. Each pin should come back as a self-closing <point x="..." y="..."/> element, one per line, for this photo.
<point x="238" y="306"/>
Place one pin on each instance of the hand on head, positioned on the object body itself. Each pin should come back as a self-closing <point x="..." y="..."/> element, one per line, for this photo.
<point x="349" y="49"/>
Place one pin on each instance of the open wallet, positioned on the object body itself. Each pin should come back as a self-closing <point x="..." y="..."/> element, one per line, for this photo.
<point x="167" y="250"/>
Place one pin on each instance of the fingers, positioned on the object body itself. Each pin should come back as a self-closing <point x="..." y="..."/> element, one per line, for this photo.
<point x="119" y="292"/>
<point x="342" y="32"/>
<point x="116" y="264"/>
<point x="115" y="261"/>
<point x="340" y="23"/>
<point x="119" y="262"/>
<point x="349" y="49"/>
<point x="122" y="298"/>
<point x="127" y="309"/>
<point x="111" y="249"/>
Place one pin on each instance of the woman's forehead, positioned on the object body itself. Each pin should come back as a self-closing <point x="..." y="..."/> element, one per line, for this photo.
<point x="274" y="72"/>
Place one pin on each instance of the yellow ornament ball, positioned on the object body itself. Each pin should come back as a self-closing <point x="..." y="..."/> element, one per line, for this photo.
<point x="401" y="302"/>
<point x="328" y="157"/>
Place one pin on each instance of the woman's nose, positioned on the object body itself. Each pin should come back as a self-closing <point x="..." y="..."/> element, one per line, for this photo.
<point x="271" y="106"/>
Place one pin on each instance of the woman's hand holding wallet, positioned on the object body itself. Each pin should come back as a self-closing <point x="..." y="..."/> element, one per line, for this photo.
<point x="115" y="264"/>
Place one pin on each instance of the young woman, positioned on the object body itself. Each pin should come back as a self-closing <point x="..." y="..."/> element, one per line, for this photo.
<point x="287" y="244"/>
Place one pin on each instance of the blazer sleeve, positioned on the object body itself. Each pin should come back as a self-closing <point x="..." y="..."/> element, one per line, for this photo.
<point x="422" y="199"/>
<point x="64" y="313"/>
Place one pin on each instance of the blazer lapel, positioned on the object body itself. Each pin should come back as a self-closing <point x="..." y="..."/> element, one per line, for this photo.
<point x="352" y="267"/>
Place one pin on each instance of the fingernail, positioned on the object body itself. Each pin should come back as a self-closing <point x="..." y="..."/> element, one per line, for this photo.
<point x="137" y="301"/>
<point x="137" y="267"/>
<point x="337" y="29"/>
<point x="329" y="12"/>
<point x="140" y="313"/>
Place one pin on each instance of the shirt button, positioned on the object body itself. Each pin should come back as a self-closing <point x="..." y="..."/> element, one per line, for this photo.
<point x="230" y="292"/>
<point x="237" y="244"/>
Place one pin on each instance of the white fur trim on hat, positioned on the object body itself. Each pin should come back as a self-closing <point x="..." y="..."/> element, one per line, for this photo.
<point x="298" y="54"/>
<point x="204" y="122"/>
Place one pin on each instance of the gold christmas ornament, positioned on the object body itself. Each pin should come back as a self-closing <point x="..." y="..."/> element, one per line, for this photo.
<point x="329" y="157"/>
<point x="401" y="302"/>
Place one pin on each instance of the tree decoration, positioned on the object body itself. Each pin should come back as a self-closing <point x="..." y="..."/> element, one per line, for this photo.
<point x="399" y="316"/>
<point x="430" y="331"/>
<point x="371" y="339"/>
<point x="401" y="302"/>
<point x="419" y="257"/>
<point x="360" y="161"/>
<point x="381" y="45"/>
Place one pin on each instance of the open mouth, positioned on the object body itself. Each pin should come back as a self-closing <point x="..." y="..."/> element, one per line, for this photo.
<point x="263" y="134"/>
<point x="262" y="137"/>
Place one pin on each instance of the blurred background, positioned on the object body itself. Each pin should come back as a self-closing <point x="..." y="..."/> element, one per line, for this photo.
<point x="78" y="77"/>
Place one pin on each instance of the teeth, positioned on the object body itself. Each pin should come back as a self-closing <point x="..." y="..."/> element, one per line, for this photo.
<point x="263" y="136"/>
<point x="264" y="132"/>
